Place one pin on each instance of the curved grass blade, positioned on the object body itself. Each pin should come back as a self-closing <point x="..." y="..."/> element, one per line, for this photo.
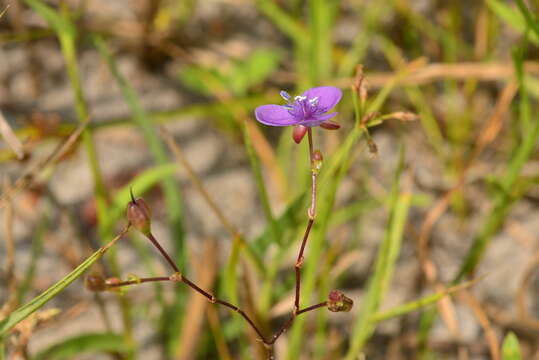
<point x="85" y="343"/>
<point x="385" y="262"/>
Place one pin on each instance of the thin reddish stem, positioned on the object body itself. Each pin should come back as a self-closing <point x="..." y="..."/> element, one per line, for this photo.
<point x="313" y="307"/>
<point x="299" y="263"/>
<point x="290" y="320"/>
<point x="163" y="252"/>
<point x="312" y="213"/>
<point x="211" y="298"/>
<point x="312" y="209"/>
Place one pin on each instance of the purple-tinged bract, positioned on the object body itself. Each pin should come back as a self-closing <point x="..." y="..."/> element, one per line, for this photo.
<point x="308" y="109"/>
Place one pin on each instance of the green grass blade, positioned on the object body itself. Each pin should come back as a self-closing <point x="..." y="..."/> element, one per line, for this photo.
<point x="512" y="17"/>
<point x="85" y="343"/>
<point x="417" y="304"/>
<point x="385" y="262"/>
<point x="284" y="22"/>
<point x="36" y="303"/>
<point x="531" y="21"/>
<point x="511" y="348"/>
<point x="321" y="20"/>
<point x="171" y="189"/>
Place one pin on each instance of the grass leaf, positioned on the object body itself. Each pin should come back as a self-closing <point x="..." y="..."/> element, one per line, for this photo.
<point x="39" y="301"/>
<point x="385" y="262"/>
<point x="511" y="348"/>
<point x="84" y="343"/>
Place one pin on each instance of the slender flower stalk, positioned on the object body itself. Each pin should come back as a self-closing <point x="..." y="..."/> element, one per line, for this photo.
<point x="305" y="112"/>
<point x="316" y="159"/>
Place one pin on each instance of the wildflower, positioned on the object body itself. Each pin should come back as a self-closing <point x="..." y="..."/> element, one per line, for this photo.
<point x="306" y="110"/>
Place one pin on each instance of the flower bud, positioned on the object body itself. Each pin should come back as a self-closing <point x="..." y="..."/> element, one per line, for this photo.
<point x="338" y="302"/>
<point x="95" y="282"/>
<point x="138" y="214"/>
<point x="298" y="133"/>
<point x="317" y="161"/>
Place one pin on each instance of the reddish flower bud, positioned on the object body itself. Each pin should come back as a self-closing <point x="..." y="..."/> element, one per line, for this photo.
<point x="298" y="133"/>
<point x="95" y="282"/>
<point x="138" y="214"/>
<point x="330" y="125"/>
<point x="338" y="302"/>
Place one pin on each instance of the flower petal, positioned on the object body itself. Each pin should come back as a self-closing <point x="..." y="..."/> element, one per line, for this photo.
<point x="318" y="119"/>
<point x="328" y="97"/>
<point x="274" y="115"/>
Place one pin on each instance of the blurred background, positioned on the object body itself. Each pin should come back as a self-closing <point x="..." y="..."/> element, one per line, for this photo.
<point x="436" y="194"/>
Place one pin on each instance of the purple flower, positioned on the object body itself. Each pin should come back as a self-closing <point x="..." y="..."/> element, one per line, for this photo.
<point x="309" y="109"/>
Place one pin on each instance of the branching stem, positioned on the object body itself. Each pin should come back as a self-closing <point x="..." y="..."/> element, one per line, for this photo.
<point x="179" y="277"/>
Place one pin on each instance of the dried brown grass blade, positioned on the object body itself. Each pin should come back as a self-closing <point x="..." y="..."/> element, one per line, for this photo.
<point x="4" y="10"/>
<point x="26" y="179"/>
<point x="10" y="138"/>
<point x="11" y="280"/>
<point x="482" y="318"/>
<point x="492" y="127"/>
<point x="443" y="71"/>
<point x="206" y="270"/>
<point x="180" y="157"/>
<point x="215" y="325"/>
<point x="529" y="271"/>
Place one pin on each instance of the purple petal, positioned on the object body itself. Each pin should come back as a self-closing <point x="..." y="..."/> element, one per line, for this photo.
<point x="328" y="97"/>
<point x="274" y="115"/>
<point x="318" y="119"/>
